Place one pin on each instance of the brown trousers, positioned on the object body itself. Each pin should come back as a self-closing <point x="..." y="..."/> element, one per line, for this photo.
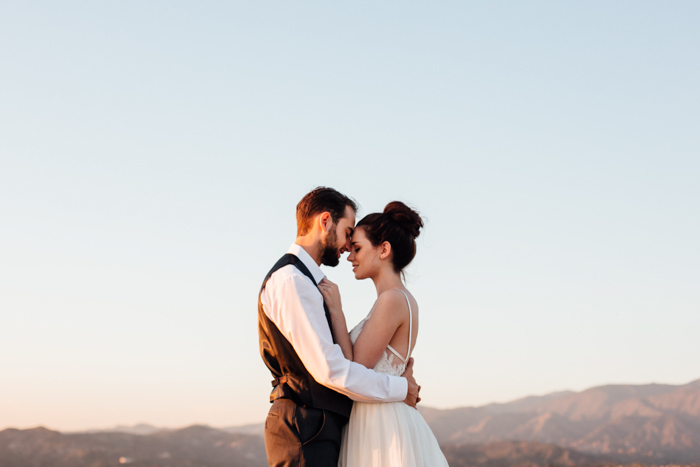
<point x="302" y="437"/>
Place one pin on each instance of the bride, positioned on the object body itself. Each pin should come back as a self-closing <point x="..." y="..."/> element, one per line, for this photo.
<point x="383" y="434"/>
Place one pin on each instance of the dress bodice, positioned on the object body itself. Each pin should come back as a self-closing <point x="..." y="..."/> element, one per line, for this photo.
<point x="391" y="362"/>
<point x="389" y="434"/>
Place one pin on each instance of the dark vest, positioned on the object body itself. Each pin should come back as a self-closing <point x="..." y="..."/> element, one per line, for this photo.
<point x="292" y="379"/>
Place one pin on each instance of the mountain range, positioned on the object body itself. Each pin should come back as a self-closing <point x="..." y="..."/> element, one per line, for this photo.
<point x="652" y="424"/>
<point x="196" y="445"/>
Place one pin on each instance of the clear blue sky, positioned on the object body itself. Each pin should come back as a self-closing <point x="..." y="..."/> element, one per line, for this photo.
<point x="152" y="154"/>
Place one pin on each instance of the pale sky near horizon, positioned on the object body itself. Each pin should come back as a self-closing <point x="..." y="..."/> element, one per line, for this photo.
<point x="152" y="154"/>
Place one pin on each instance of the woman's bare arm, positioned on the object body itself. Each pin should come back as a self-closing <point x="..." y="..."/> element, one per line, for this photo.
<point x="390" y="313"/>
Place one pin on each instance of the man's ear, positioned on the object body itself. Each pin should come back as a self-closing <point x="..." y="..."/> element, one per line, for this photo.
<point x="385" y="250"/>
<point x="324" y="221"/>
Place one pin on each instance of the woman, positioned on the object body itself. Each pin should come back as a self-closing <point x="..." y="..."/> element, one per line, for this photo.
<point x="389" y="434"/>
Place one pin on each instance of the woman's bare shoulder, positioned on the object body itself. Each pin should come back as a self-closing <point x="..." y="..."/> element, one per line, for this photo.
<point x="389" y="302"/>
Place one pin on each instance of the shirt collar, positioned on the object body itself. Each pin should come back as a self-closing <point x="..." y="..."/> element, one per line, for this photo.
<point x="308" y="261"/>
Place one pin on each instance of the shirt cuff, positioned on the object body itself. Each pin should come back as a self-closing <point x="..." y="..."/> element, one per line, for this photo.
<point x="399" y="390"/>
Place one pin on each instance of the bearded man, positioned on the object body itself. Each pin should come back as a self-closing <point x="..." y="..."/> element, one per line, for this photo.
<point x="314" y="384"/>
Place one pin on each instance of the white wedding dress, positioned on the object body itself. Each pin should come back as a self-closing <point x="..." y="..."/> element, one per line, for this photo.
<point x="388" y="434"/>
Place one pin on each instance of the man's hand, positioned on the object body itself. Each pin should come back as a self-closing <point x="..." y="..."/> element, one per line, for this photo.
<point x="412" y="397"/>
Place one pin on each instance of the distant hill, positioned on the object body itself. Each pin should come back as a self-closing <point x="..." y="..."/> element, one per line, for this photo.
<point x="139" y="429"/>
<point x="518" y="454"/>
<point x="253" y="429"/>
<point x="642" y="423"/>
<point x="196" y="445"/>
<point x="652" y="424"/>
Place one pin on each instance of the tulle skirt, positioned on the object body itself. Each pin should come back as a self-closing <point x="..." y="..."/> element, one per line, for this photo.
<point x="388" y="435"/>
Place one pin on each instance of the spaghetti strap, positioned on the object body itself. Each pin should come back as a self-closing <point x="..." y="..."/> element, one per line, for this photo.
<point x="410" y="331"/>
<point x="410" y="326"/>
<point x="396" y="353"/>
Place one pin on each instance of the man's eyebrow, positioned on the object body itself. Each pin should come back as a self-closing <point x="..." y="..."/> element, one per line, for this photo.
<point x="351" y="230"/>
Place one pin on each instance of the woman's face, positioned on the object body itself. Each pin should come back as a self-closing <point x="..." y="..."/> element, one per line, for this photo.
<point x="363" y="256"/>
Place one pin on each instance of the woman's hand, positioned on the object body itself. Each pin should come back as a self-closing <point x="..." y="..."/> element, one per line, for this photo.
<point x="331" y="295"/>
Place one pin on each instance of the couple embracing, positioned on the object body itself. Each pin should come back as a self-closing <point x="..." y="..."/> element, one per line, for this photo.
<point x="343" y="398"/>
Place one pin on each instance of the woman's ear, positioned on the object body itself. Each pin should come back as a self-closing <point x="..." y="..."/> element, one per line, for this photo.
<point x="385" y="250"/>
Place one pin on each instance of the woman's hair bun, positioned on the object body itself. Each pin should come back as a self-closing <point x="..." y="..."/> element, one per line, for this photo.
<point x="405" y="217"/>
<point x="399" y="225"/>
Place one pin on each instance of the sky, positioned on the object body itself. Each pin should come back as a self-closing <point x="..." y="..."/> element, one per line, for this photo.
<point x="152" y="155"/>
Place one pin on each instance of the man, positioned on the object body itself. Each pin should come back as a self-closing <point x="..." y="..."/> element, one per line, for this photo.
<point x="314" y="385"/>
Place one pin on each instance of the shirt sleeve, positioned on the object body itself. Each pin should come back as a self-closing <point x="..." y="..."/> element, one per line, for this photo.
<point x="295" y="305"/>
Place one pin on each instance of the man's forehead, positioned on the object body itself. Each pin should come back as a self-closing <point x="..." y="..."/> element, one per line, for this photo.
<point x="350" y="216"/>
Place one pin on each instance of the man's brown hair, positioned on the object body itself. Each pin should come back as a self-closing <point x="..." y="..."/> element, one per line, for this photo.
<point x="321" y="199"/>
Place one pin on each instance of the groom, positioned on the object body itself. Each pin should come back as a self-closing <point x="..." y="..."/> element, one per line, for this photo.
<point x="314" y="385"/>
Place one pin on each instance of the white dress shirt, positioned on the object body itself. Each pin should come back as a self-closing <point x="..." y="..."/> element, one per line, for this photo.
<point x="295" y="305"/>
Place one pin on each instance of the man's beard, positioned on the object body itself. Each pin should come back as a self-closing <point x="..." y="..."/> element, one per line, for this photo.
<point x="329" y="255"/>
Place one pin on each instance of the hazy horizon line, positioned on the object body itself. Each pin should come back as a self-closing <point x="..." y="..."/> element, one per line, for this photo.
<point x="244" y="425"/>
